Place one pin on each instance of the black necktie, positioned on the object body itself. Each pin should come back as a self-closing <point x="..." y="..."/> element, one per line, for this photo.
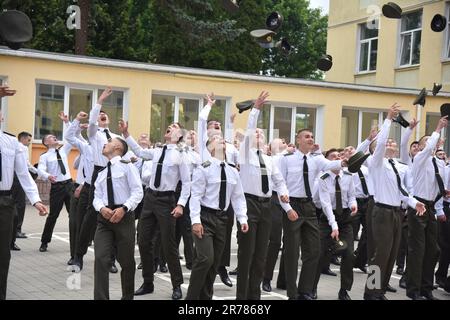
<point x="306" y="178"/>
<point x="439" y="180"/>
<point x="264" y="178"/>
<point x="338" y="209"/>
<point x="108" y="136"/>
<point x="399" y="184"/>
<point x="159" y="168"/>
<point x="60" y="162"/>
<point x="223" y="187"/>
<point x="109" y="187"/>
<point x="363" y="182"/>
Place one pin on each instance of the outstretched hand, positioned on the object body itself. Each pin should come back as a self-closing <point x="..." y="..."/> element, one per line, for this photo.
<point x="261" y="100"/>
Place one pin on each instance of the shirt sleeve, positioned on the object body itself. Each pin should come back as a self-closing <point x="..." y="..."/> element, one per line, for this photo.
<point x="27" y="183"/>
<point x="238" y="202"/>
<point x="134" y="183"/>
<point x="138" y="150"/>
<point x="197" y="191"/>
<point x="245" y="146"/>
<point x="363" y="146"/>
<point x="93" y="124"/>
<point x="423" y="156"/>
<point x="404" y="150"/>
<point x="202" y="130"/>
<point x="42" y="167"/>
<point x="98" y="195"/>
<point x="283" y="170"/>
<point x="325" y="201"/>
<point x="380" y="149"/>
<point x="185" y="176"/>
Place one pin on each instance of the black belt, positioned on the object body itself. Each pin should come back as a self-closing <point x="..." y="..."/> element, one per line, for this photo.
<point x="386" y="206"/>
<point x="274" y="193"/>
<point x="426" y="202"/>
<point x="5" y="193"/>
<point x="63" y="182"/>
<point x="256" y="198"/>
<point x="161" y="193"/>
<point x="362" y="199"/>
<point x="213" y="211"/>
<point x="302" y="200"/>
<point x="116" y="206"/>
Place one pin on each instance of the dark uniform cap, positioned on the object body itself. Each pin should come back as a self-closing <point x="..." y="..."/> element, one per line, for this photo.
<point x="355" y="162"/>
<point x="230" y="5"/>
<point x="401" y="121"/>
<point x="445" y="110"/>
<point x="337" y="246"/>
<point x="438" y="23"/>
<point x="244" y="105"/>
<point x="284" y="46"/>
<point x="392" y="10"/>
<point x="15" y="28"/>
<point x="325" y="62"/>
<point x="274" y="21"/>
<point x="436" y="88"/>
<point x="420" y="99"/>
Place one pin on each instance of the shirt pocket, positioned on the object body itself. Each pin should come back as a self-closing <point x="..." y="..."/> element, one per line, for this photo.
<point x="118" y="177"/>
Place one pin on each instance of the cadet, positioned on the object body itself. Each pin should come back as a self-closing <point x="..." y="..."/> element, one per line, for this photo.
<point x="215" y="185"/>
<point x="118" y="191"/>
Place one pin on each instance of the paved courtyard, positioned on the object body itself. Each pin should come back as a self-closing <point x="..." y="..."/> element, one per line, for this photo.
<point x="35" y="275"/>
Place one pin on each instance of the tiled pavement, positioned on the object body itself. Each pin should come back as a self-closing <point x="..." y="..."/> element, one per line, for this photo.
<point x="35" y="275"/>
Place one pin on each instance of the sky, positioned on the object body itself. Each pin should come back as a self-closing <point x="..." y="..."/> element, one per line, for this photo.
<point x="323" y="4"/>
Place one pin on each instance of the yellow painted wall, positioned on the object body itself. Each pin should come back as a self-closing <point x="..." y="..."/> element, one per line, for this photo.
<point x="22" y="74"/>
<point x="344" y="17"/>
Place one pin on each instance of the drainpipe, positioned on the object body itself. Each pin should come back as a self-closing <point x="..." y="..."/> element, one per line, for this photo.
<point x="419" y="118"/>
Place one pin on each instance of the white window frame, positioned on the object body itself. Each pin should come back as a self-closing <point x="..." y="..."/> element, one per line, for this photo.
<point x="319" y="119"/>
<point x="400" y="42"/>
<point x="363" y="135"/>
<point x="358" y="56"/>
<point x="193" y="96"/>
<point x="67" y="86"/>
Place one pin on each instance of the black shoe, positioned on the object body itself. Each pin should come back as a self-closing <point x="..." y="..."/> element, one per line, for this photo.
<point x="163" y="268"/>
<point x="400" y="271"/>
<point x="79" y="262"/>
<point x="329" y="272"/>
<point x="390" y="289"/>
<point x="189" y="266"/>
<point x="223" y="274"/>
<point x="176" y="294"/>
<point x="440" y="282"/>
<point x="139" y="265"/>
<point x="361" y="267"/>
<point x="415" y="296"/>
<point x="266" y="286"/>
<point x="335" y="260"/>
<point x="304" y="296"/>
<point x="71" y="261"/>
<point x="21" y="235"/>
<point x="313" y="294"/>
<point x="368" y="296"/>
<point x="43" y="247"/>
<point x="382" y="297"/>
<point x="144" y="289"/>
<point x="113" y="268"/>
<point x="429" y="296"/>
<point x="402" y="282"/>
<point x="281" y="286"/>
<point x="233" y="272"/>
<point x="15" y="247"/>
<point x="343" y="295"/>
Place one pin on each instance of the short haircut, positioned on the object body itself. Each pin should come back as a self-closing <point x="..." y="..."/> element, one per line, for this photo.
<point x="303" y="130"/>
<point x="43" y="139"/>
<point x="103" y="111"/>
<point x="413" y="143"/>
<point x="440" y="150"/>
<point x="331" y="151"/>
<point x="124" y="146"/>
<point x="23" y="134"/>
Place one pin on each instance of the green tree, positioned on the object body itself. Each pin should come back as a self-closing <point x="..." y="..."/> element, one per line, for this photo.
<point x="306" y="31"/>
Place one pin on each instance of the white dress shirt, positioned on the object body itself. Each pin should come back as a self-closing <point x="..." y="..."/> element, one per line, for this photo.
<point x="31" y="168"/>
<point x="383" y="177"/>
<point x="359" y="191"/>
<point x="404" y="147"/>
<point x="126" y="183"/>
<point x="291" y="167"/>
<point x="174" y="168"/>
<point x="49" y="166"/>
<point x="97" y="137"/>
<point x="423" y="176"/>
<point x="206" y="186"/>
<point x="86" y="151"/>
<point x="146" y="172"/>
<point x="327" y="194"/>
<point x="232" y="154"/>
<point x="14" y="159"/>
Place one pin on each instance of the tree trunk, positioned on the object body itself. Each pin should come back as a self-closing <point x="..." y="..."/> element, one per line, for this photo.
<point x="81" y="35"/>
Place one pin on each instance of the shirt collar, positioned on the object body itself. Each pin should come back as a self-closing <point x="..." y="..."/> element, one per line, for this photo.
<point x="115" y="159"/>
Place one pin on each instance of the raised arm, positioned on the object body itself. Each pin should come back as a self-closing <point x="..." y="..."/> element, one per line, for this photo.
<point x="135" y="147"/>
<point x="380" y="149"/>
<point x="203" y="125"/>
<point x="95" y="111"/>
<point x="404" y="144"/>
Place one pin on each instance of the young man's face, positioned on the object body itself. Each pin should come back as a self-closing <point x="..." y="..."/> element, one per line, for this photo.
<point x="217" y="144"/>
<point x="172" y="132"/>
<point x="441" y="155"/>
<point x="26" y="141"/>
<point x="50" y="140"/>
<point x="333" y="156"/>
<point x="305" y="139"/>
<point x="414" y="149"/>
<point x="103" y="119"/>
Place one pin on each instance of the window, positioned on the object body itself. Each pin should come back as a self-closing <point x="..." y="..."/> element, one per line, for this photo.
<point x="368" y="46"/>
<point x="285" y="121"/>
<point x="167" y="109"/>
<point x="356" y="126"/>
<point x="51" y="99"/>
<point x="410" y="38"/>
